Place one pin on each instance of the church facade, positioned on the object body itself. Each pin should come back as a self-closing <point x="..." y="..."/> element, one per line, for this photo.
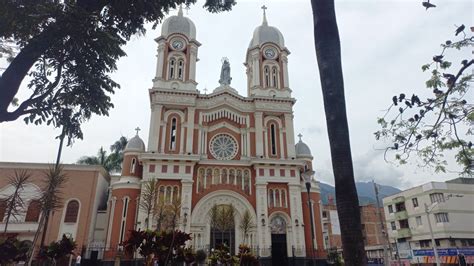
<point x="221" y="149"/>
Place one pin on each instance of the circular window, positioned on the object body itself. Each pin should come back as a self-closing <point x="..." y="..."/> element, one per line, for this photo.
<point x="223" y="147"/>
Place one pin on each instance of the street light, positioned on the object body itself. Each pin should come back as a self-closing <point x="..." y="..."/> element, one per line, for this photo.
<point x="427" y="211"/>
<point x="308" y="177"/>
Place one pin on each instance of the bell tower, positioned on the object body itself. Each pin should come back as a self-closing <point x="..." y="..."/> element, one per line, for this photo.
<point x="267" y="62"/>
<point x="177" y="54"/>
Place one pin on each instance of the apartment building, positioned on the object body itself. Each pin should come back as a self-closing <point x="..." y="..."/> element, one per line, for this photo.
<point x="449" y="206"/>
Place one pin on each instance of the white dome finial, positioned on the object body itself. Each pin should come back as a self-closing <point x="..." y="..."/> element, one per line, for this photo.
<point x="264" y="8"/>
<point x="180" y="11"/>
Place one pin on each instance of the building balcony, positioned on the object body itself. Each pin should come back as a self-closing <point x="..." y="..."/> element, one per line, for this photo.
<point x="398" y="199"/>
<point x="401" y="215"/>
<point x="404" y="232"/>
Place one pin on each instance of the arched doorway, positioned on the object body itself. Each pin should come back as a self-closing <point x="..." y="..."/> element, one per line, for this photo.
<point x="201" y="219"/>
<point x="279" y="245"/>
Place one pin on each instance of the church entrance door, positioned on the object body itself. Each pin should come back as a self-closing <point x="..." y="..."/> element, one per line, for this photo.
<point x="278" y="229"/>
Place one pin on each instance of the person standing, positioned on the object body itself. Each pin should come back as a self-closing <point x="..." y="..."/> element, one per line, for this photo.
<point x="78" y="260"/>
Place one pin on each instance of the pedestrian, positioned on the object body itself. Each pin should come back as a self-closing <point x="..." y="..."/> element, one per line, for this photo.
<point x="78" y="260"/>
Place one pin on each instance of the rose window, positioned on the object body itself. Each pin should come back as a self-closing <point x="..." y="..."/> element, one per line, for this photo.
<point x="223" y="147"/>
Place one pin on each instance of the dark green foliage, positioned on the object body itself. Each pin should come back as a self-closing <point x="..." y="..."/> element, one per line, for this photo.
<point x="12" y="250"/>
<point x="246" y="257"/>
<point x="165" y="246"/>
<point x="221" y="255"/>
<point x="429" y="128"/>
<point x="69" y="48"/>
<point x="201" y="256"/>
<point x="59" y="249"/>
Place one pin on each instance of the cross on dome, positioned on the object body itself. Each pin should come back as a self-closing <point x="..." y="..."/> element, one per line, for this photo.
<point x="264" y="8"/>
<point x="137" y="129"/>
<point x="300" y="136"/>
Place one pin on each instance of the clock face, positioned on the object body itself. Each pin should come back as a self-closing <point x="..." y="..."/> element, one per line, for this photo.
<point x="223" y="147"/>
<point x="177" y="44"/>
<point x="270" y="53"/>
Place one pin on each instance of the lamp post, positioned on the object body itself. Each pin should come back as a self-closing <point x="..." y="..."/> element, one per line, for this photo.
<point x="433" y="243"/>
<point x="308" y="177"/>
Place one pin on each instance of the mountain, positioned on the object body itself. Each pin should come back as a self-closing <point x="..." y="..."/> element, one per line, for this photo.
<point x="365" y="191"/>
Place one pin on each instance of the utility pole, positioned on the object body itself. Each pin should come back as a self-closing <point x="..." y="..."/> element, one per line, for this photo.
<point x="382" y="226"/>
<point x="433" y="242"/>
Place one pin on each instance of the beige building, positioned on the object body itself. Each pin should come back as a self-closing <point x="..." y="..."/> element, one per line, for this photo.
<point x="82" y="216"/>
<point x="450" y="207"/>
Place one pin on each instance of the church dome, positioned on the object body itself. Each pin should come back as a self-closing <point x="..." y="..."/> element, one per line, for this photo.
<point x="264" y="33"/>
<point x="135" y="144"/>
<point x="302" y="150"/>
<point x="179" y="24"/>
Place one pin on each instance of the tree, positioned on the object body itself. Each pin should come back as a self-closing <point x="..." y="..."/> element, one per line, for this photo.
<point x="59" y="250"/>
<point x="14" y="202"/>
<point x="12" y="250"/>
<point x="69" y="48"/>
<point x="246" y="224"/>
<point x="148" y="198"/>
<point x="431" y="127"/>
<point x="328" y="52"/>
<point x="111" y="162"/>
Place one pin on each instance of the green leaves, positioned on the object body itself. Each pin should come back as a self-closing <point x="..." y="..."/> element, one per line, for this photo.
<point x="438" y="126"/>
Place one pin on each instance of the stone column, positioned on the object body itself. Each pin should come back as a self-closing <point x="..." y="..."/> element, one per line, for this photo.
<point x="258" y="134"/>
<point x="190" y="132"/>
<point x="290" y="135"/>
<point x="155" y="122"/>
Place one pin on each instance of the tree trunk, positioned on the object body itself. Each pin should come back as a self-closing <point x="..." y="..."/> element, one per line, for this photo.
<point x="328" y="52"/>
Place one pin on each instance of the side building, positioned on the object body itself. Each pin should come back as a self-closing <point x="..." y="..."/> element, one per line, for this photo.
<point x="83" y="214"/>
<point x="446" y="207"/>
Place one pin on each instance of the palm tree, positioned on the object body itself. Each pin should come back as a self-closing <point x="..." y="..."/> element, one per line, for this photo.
<point x="328" y="52"/>
<point x="14" y="202"/>
<point x="148" y="199"/>
<point x="111" y="162"/>
<point x="246" y="224"/>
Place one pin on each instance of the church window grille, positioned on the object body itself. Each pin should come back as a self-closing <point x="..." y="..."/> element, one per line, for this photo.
<point x="132" y="166"/>
<point x="72" y="210"/>
<point x="172" y="68"/>
<point x="232" y="179"/>
<point x="274" y="77"/>
<point x="208" y="178"/>
<point x="239" y="180"/>
<point x="273" y="139"/>
<point x="277" y="198"/>
<point x="247" y="182"/>
<point x="180" y="69"/>
<point x="175" y="193"/>
<point x="270" y="198"/>
<point x="224" y="176"/>
<point x="216" y="178"/>
<point x="33" y="211"/>
<point x="168" y="194"/>
<point x="267" y="76"/>
<point x="173" y="133"/>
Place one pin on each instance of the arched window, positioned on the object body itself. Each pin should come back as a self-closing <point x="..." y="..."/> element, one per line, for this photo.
<point x="247" y="182"/>
<point x="173" y="133"/>
<point x="168" y="195"/>
<point x="266" y="71"/>
<point x="283" y="196"/>
<point x="132" y="166"/>
<point x="274" y="77"/>
<point x="172" y="68"/>
<point x="208" y="178"/>
<point x="33" y="211"/>
<point x="175" y="193"/>
<point x="239" y="179"/>
<point x="124" y="219"/>
<point x="270" y="198"/>
<point x="224" y="176"/>
<point x="277" y="198"/>
<point x="273" y="147"/>
<point x="72" y="210"/>
<point x="180" y="69"/>
<point x="161" y="193"/>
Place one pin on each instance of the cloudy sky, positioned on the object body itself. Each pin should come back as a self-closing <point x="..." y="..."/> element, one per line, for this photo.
<point x="384" y="43"/>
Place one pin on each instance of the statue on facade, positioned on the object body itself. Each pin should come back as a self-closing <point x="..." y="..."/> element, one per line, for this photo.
<point x="225" y="73"/>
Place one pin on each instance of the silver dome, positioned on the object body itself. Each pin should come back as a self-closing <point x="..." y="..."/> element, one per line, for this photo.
<point x="178" y="24"/>
<point x="135" y="144"/>
<point x="264" y="33"/>
<point x="302" y="150"/>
